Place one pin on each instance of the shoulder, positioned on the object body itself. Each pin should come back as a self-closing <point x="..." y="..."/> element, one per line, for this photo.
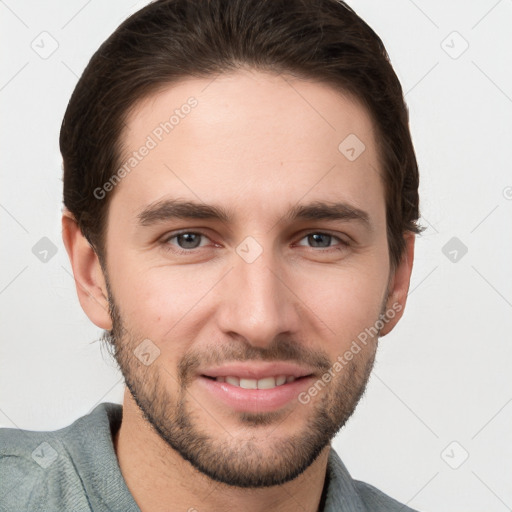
<point x="38" y="447"/>
<point x="38" y="468"/>
<point x="345" y="492"/>
<point x="374" y="499"/>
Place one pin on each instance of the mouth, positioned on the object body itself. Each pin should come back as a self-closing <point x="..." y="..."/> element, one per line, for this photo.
<point x="270" y="382"/>
<point x="266" y="394"/>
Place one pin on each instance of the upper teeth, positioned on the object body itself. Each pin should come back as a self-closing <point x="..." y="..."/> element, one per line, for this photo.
<point x="266" y="383"/>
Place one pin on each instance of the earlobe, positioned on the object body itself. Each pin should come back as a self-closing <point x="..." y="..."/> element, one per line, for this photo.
<point x="87" y="272"/>
<point x="399" y="286"/>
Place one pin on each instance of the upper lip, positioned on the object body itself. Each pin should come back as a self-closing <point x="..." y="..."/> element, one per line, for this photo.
<point x="257" y="370"/>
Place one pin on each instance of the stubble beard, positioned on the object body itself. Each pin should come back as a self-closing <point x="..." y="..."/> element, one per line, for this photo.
<point x="253" y="459"/>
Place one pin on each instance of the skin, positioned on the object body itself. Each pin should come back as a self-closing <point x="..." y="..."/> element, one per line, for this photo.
<point x="257" y="144"/>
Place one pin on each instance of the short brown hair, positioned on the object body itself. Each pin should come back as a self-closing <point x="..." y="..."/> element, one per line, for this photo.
<point x="170" y="40"/>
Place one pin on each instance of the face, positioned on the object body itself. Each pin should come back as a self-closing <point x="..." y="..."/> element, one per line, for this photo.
<point x="244" y="246"/>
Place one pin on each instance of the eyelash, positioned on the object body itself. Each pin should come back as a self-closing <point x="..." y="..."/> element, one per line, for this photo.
<point x="179" y="251"/>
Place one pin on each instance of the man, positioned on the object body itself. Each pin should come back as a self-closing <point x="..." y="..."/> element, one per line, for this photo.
<point x="241" y="199"/>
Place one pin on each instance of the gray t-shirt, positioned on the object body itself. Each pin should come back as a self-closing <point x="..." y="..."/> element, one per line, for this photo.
<point x="75" y="469"/>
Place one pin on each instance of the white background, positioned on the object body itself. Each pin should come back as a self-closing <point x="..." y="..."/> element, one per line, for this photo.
<point x="443" y="375"/>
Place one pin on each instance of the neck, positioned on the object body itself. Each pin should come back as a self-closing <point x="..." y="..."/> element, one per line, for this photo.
<point x="159" y="479"/>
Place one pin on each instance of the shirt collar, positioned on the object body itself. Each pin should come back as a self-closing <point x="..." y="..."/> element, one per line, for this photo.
<point x="342" y="494"/>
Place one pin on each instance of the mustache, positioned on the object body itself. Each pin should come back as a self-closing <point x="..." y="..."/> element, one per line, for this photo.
<point x="282" y="350"/>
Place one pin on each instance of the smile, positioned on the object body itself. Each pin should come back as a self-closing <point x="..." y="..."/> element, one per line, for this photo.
<point x="254" y="395"/>
<point x="265" y="383"/>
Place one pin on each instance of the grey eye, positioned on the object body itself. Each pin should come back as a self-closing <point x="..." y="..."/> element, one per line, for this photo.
<point x="188" y="240"/>
<point x="319" y="239"/>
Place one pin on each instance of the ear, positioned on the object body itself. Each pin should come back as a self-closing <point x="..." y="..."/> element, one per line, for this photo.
<point x="87" y="272"/>
<point x="399" y="285"/>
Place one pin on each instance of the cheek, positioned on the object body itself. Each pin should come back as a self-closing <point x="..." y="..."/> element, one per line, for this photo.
<point x="168" y="302"/>
<point x="347" y="300"/>
<point x="156" y="303"/>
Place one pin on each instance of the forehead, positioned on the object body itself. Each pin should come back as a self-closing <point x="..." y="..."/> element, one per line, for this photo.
<point x="253" y="139"/>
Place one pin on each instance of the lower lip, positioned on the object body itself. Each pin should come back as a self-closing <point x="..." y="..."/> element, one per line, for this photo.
<point x="255" y="400"/>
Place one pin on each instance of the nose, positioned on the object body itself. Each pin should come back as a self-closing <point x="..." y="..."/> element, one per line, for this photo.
<point x="257" y="303"/>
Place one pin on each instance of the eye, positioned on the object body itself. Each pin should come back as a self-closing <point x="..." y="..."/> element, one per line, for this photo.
<point x="185" y="240"/>
<point x="323" y="240"/>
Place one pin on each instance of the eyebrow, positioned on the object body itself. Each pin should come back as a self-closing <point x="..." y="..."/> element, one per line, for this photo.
<point x="170" y="209"/>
